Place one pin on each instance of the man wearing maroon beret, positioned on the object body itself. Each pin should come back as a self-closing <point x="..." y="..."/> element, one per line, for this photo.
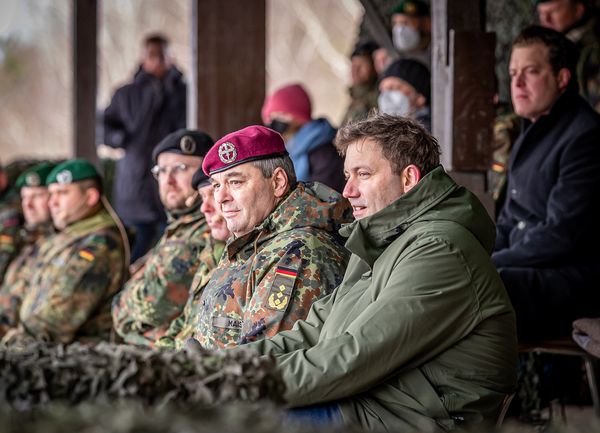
<point x="284" y="252"/>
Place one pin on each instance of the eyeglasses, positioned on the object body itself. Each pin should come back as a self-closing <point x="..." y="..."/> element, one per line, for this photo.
<point x="175" y="169"/>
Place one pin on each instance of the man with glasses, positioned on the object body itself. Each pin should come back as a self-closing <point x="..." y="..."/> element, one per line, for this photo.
<point x="160" y="282"/>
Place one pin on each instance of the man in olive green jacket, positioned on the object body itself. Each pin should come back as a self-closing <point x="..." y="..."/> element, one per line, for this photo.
<point x="420" y="335"/>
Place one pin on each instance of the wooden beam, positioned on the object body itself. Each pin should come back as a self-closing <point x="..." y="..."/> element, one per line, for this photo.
<point x="85" y="23"/>
<point x="230" y="37"/>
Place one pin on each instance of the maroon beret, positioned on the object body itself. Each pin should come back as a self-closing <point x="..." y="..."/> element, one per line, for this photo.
<point x="249" y="144"/>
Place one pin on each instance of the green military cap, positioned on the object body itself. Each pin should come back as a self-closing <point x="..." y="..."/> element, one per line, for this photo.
<point x="413" y="8"/>
<point x="71" y="171"/>
<point x="35" y="176"/>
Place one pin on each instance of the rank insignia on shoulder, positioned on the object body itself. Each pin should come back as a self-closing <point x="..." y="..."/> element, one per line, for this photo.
<point x="6" y="239"/>
<point x="281" y="288"/>
<point x="86" y="255"/>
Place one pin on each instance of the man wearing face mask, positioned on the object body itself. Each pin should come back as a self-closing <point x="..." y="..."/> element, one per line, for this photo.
<point x="411" y="30"/>
<point x="157" y="292"/>
<point x="404" y="90"/>
<point x="308" y="141"/>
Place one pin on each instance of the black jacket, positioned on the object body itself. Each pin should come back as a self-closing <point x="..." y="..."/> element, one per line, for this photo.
<point x="551" y="217"/>
<point x="138" y="117"/>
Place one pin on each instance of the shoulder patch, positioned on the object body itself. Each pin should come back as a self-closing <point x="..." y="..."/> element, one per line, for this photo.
<point x="86" y="255"/>
<point x="282" y="288"/>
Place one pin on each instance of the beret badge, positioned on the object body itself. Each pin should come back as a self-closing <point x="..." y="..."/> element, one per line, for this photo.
<point x="33" y="179"/>
<point x="64" y="177"/>
<point x="187" y="145"/>
<point x="227" y="152"/>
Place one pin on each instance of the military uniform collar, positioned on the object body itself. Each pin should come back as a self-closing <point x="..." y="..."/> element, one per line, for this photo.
<point x="370" y="236"/>
<point x="268" y="228"/>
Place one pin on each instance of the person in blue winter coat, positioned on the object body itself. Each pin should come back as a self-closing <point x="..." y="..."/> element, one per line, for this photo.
<point x="308" y="141"/>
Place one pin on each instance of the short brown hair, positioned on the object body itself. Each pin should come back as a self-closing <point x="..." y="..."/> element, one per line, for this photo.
<point x="403" y="141"/>
<point x="562" y="53"/>
<point x="156" y="38"/>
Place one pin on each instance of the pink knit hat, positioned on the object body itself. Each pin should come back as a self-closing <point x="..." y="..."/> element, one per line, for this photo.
<point x="291" y="99"/>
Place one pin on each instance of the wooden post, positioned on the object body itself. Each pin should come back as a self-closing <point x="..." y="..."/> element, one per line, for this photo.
<point x="463" y="90"/>
<point x="85" y="23"/>
<point x="230" y="37"/>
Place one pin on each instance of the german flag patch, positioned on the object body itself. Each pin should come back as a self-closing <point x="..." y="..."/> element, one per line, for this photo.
<point x="282" y="288"/>
<point x="6" y="239"/>
<point x="87" y="255"/>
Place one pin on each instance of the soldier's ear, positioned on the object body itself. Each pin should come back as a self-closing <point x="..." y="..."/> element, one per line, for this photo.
<point x="92" y="197"/>
<point x="411" y="175"/>
<point x="563" y="78"/>
<point x="280" y="182"/>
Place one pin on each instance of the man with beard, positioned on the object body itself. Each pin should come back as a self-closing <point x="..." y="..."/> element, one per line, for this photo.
<point x="158" y="289"/>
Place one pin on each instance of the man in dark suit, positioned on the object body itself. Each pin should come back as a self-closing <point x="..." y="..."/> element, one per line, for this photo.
<point x="547" y="232"/>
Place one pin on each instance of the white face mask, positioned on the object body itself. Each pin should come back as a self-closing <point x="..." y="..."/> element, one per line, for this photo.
<point x="405" y="37"/>
<point x="393" y="102"/>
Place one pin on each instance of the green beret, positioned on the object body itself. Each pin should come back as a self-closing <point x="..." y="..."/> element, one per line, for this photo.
<point x="71" y="171"/>
<point x="412" y="8"/>
<point x="35" y="176"/>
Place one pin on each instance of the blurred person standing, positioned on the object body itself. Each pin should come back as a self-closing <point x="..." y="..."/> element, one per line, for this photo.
<point x="363" y="89"/>
<point x="411" y="30"/>
<point x="577" y="20"/>
<point x="139" y="116"/>
<point x="308" y="141"/>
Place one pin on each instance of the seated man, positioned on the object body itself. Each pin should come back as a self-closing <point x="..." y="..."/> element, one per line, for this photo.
<point x="68" y="295"/>
<point x="363" y="87"/>
<point x="38" y="229"/>
<point x="11" y="220"/>
<point x="547" y="231"/>
<point x="420" y="334"/>
<point x="158" y="290"/>
<point x="309" y="141"/>
<point x="182" y="327"/>
<point x="578" y="21"/>
<point x="405" y="88"/>
<point x="284" y="252"/>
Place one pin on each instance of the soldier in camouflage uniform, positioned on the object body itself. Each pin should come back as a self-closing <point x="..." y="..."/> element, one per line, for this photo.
<point x="577" y="20"/>
<point x="38" y="228"/>
<point x="79" y="270"/>
<point x="182" y="328"/>
<point x="11" y="221"/>
<point x="507" y="127"/>
<point x="157" y="292"/>
<point x="284" y="252"/>
<point x="364" y="90"/>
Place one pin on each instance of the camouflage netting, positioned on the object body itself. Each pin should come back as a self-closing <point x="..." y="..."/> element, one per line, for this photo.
<point x="40" y="374"/>
<point x="129" y="417"/>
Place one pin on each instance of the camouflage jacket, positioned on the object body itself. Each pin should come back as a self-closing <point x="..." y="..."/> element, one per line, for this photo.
<point x="157" y="293"/>
<point x="269" y="278"/>
<point x="11" y="223"/>
<point x="19" y="273"/>
<point x="588" y="64"/>
<point x="182" y="327"/>
<point x="506" y="130"/>
<point x="363" y="98"/>
<point x="69" y="294"/>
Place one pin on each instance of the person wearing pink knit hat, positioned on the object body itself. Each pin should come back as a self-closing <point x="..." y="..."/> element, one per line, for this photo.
<point x="309" y="142"/>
